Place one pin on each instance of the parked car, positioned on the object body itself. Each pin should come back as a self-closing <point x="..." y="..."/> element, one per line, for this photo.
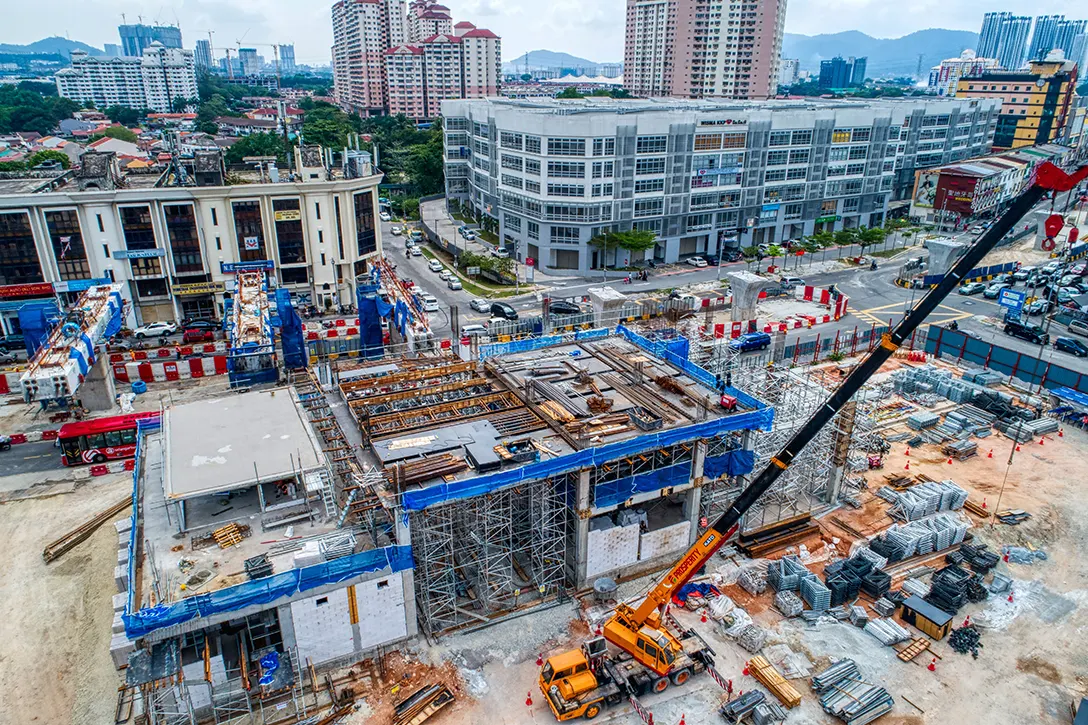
<point x="417" y="252"/>
<point x="1031" y="333"/>
<point x="500" y="252"/>
<point x="435" y="266"/>
<point x="395" y="231"/>
<point x="791" y="282"/>
<point x="503" y="311"/>
<point x="977" y="229"/>
<point x="416" y="235"/>
<point x="467" y="233"/>
<point x="994" y="290"/>
<point x="189" y="324"/>
<point x="751" y="341"/>
<point x="384" y="216"/>
<point x="14" y="341"/>
<point x="1038" y="307"/>
<point x="697" y="262"/>
<point x="1068" y="279"/>
<point x="562" y="307"/>
<point x="480" y="305"/>
<point x="1022" y="274"/>
<point x="972" y="288"/>
<point x="474" y="331"/>
<point x="453" y="283"/>
<point x="1078" y="269"/>
<point x="1071" y="345"/>
<point x="196" y="335"/>
<point x="1078" y="327"/>
<point x="7" y="357"/>
<point x="430" y="303"/>
<point x="155" y="329"/>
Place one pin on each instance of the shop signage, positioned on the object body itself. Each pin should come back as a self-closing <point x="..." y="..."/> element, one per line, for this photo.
<point x="725" y="122"/>
<point x="232" y="267"/>
<point x="34" y="289"/>
<point x="829" y="218"/>
<point x="138" y="253"/>
<point x="80" y="285"/>
<point x="252" y="243"/>
<point x="198" y="288"/>
<point x="288" y="215"/>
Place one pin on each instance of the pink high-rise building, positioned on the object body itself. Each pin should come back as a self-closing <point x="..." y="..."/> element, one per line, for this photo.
<point x="481" y="63"/>
<point x="362" y="31"/>
<point x="703" y="48"/>
<point x="404" y="75"/>
<point x="442" y="76"/>
<point x="427" y="19"/>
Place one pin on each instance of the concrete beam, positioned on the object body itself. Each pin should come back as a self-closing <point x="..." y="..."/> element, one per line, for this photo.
<point x="943" y="253"/>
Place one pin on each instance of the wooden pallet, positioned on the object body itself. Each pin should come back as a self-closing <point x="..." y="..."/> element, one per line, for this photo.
<point x="228" y="536"/>
<point x="917" y="646"/>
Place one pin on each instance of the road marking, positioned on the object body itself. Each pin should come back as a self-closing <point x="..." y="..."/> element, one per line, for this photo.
<point x="40" y="455"/>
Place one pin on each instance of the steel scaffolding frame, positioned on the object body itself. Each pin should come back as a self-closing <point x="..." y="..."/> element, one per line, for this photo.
<point x="484" y="556"/>
<point x="168" y="702"/>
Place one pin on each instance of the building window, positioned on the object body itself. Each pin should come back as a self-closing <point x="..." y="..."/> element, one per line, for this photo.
<point x="840" y="135"/>
<point x="796" y="174"/>
<point x="778" y="158"/>
<point x="799" y="156"/>
<point x="249" y="230"/>
<point x="513" y="181"/>
<point x="567" y="146"/>
<point x="101" y="226"/>
<point x="565" y="235"/>
<point x="829" y="207"/>
<point x="649" y="225"/>
<point x="513" y="223"/>
<point x="184" y="240"/>
<point x="219" y="244"/>
<point x="365" y="238"/>
<point x="775" y="175"/>
<point x="853" y="169"/>
<point x="708" y="141"/>
<point x="802" y="138"/>
<point x="792" y="211"/>
<point x="861" y="135"/>
<point x="780" y="138"/>
<point x="852" y="204"/>
<point x="604" y="147"/>
<point x="215" y="217"/>
<point x="566" y="190"/>
<point x="511" y="140"/>
<point x="649" y="207"/>
<point x="512" y="162"/>
<point x="645" y="186"/>
<point x="838" y="154"/>
<point x="317" y="210"/>
<point x="533" y="186"/>
<point x="532" y="166"/>
<point x="646" y="167"/>
<point x="139" y="235"/>
<point x="290" y="240"/>
<point x="603" y="169"/>
<point x="532" y="229"/>
<point x="651" y="144"/>
<point x="339" y="225"/>
<point x="566" y="170"/>
<point x="858" y="152"/>
<point x="18" y="256"/>
<point x="733" y="140"/>
<point x="532" y="144"/>
<point x="697" y="222"/>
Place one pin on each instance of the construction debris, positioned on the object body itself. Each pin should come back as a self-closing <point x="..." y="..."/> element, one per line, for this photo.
<point x="966" y="639"/>
<point x="421" y="705"/>
<point x="1022" y="555"/>
<point x="788" y="603"/>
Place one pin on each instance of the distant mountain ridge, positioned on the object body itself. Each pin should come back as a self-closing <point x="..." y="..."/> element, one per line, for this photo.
<point x="548" y="59"/>
<point x="887" y="57"/>
<point x="55" y="45"/>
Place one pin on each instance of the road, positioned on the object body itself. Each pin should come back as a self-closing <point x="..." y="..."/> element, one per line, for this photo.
<point x="32" y="457"/>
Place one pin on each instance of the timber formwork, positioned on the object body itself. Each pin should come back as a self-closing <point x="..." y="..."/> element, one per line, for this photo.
<point x="489" y="556"/>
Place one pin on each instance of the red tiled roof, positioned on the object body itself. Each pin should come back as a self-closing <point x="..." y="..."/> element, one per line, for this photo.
<point x="442" y="39"/>
<point x="479" y="33"/>
<point x="464" y="24"/>
<point x="395" y="50"/>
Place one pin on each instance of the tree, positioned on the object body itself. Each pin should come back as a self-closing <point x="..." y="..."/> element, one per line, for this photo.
<point x="326" y="125"/>
<point x="867" y="237"/>
<point x="605" y="243"/>
<point x="23" y="108"/>
<point x="42" y="89"/>
<point x="210" y="110"/>
<point x="179" y="104"/>
<point x="569" y="92"/>
<point x="846" y="237"/>
<point x="526" y="77"/>
<point x="425" y="165"/>
<point x="124" y="115"/>
<point x="46" y="155"/>
<point x="118" y="132"/>
<point x="12" y="166"/>
<point x="258" y="144"/>
<point x="824" y="239"/>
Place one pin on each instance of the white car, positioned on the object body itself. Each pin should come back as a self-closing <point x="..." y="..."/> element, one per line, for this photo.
<point x="453" y="283"/>
<point x="417" y="252"/>
<point x="430" y="303"/>
<point x="697" y="261"/>
<point x="445" y="275"/>
<point x="435" y="266"/>
<point x="480" y="305"/>
<point x="155" y="329"/>
<point x="384" y="216"/>
<point x="395" y="231"/>
<point x="500" y="252"/>
<point x="474" y="331"/>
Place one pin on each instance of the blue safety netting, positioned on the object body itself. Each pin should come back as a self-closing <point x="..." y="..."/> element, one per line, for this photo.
<point x="615" y="492"/>
<point x="36" y="320"/>
<point x="116" y="321"/>
<point x="1073" y="396"/>
<point x="291" y="333"/>
<point x="535" y="343"/>
<point x="372" y="310"/>
<point x="758" y="419"/>
<point x="267" y="590"/>
<point x="143" y="427"/>
<point x="733" y="463"/>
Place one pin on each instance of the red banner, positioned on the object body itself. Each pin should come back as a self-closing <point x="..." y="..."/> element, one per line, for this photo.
<point x="34" y="289"/>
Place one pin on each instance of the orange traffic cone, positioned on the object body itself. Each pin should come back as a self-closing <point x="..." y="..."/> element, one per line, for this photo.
<point x="990" y="454"/>
<point x="540" y="660"/>
<point x="529" y="700"/>
<point x="950" y="460"/>
<point x="1041" y="441"/>
<point x="745" y="669"/>
<point x="983" y="503"/>
<point x="907" y="467"/>
<point x="1061" y="432"/>
<point x="908" y="453"/>
<point x="1010" y="596"/>
<point x="932" y="665"/>
<point x="703" y="618"/>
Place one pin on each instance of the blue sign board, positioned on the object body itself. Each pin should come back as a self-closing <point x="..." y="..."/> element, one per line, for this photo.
<point x="80" y="285"/>
<point x="138" y="253"/>
<point x="232" y="267"/>
<point x="1012" y="299"/>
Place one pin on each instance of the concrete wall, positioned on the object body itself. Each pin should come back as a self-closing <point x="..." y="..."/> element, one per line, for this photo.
<point x="382" y="611"/>
<point x="323" y="628"/>
<point x="611" y="549"/>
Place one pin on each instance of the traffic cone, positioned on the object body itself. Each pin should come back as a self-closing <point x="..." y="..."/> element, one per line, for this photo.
<point x="598" y="630"/>
<point x="1061" y="432"/>
<point x="950" y="460"/>
<point x="703" y="618"/>
<point x="932" y="665"/>
<point x="745" y="669"/>
<point x="1041" y="441"/>
<point x="967" y="621"/>
<point x="907" y="467"/>
<point x="682" y="720"/>
<point x="908" y="453"/>
<point x="983" y="503"/>
<point x="1005" y="557"/>
<point x="1010" y="596"/>
<point x="990" y="454"/>
<point x="529" y="700"/>
<point x="1017" y="447"/>
<point x="540" y="660"/>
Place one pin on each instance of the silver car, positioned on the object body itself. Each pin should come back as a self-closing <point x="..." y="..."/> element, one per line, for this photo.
<point x="480" y="305"/>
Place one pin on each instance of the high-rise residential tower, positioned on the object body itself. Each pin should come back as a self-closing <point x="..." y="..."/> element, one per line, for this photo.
<point x="362" y="31"/>
<point x="703" y="48"/>
<point x="1004" y="36"/>
<point x="202" y="55"/>
<point x="135" y="38"/>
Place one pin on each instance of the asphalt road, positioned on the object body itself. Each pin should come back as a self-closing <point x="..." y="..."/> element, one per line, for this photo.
<point x="32" y="457"/>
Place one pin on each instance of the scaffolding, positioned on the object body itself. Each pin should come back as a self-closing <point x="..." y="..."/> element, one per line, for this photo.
<point x="485" y="557"/>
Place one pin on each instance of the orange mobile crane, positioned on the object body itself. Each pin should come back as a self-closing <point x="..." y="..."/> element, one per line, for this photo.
<point x="643" y="648"/>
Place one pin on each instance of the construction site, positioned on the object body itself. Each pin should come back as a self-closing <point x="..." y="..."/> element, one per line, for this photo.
<point x="630" y="522"/>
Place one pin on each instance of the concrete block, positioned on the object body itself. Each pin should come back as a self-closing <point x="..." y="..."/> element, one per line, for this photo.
<point x="120" y="578"/>
<point x="123" y="526"/>
<point x="122" y="557"/>
<point x="119" y="601"/>
<point x="120" y="648"/>
<point x="118" y="623"/>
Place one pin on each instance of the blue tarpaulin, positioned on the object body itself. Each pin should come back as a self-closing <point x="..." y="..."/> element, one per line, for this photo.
<point x="36" y="320"/>
<point x="291" y="333"/>
<point x="733" y="463"/>
<point x="1072" y="396"/>
<point x="615" y="492"/>
<point x="703" y="589"/>
<point x="370" y="326"/>
<point x="536" y="343"/>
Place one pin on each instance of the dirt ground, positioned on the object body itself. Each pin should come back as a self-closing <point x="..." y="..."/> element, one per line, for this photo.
<point x="55" y="619"/>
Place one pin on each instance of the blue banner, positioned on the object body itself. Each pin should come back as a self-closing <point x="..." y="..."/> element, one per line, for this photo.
<point x="232" y="267"/>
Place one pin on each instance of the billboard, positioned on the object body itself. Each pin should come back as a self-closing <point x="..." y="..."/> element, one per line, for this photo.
<point x="925" y="188"/>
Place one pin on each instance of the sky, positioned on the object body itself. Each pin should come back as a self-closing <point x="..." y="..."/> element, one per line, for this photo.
<point x="591" y="29"/>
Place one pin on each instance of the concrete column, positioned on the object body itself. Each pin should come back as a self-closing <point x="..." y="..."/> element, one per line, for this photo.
<point x="695" y="493"/>
<point x="581" y="529"/>
<point x="745" y="287"/>
<point x="943" y="253"/>
<point x="98" y="392"/>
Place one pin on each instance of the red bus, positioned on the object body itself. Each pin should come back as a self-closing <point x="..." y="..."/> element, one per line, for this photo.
<point x="100" y="440"/>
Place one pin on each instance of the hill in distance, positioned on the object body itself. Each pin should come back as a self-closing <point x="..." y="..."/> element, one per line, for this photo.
<point x="55" y="45"/>
<point x="547" y="59"/>
<point x="887" y="57"/>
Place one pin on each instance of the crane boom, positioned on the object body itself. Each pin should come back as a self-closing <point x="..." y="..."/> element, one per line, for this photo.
<point x="628" y="619"/>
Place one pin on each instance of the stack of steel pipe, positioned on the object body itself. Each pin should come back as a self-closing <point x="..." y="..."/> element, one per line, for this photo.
<point x="845" y="695"/>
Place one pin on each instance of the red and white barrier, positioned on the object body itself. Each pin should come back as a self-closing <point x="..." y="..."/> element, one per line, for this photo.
<point x="169" y="370"/>
<point x="9" y="383"/>
<point x="162" y="353"/>
<point x="823" y="296"/>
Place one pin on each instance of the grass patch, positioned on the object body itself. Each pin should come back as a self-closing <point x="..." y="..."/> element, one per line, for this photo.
<point x="471" y="287"/>
<point x="493" y="238"/>
<point x="886" y="253"/>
